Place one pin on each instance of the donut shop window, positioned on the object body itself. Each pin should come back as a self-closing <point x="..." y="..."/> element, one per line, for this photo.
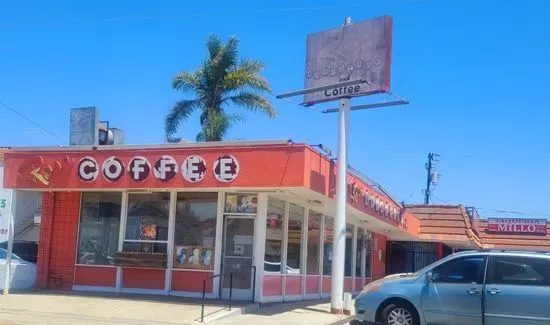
<point x="195" y="230"/>
<point x="146" y="235"/>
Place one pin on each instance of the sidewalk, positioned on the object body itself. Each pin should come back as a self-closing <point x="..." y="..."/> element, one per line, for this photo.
<point x="64" y="308"/>
<point x="297" y="313"/>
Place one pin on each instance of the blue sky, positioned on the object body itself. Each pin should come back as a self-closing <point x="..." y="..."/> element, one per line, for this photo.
<point x="475" y="73"/>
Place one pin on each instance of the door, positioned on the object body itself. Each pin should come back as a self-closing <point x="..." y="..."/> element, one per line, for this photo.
<point x="238" y="252"/>
<point x="453" y="294"/>
<point x="517" y="290"/>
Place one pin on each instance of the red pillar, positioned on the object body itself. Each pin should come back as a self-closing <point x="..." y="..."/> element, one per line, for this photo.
<point x="439" y="251"/>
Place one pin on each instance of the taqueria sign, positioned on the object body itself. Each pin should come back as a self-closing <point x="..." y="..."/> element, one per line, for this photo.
<point x="517" y="225"/>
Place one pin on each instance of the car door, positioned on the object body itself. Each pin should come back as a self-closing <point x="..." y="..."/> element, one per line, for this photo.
<point x="453" y="292"/>
<point x="518" y="290"/>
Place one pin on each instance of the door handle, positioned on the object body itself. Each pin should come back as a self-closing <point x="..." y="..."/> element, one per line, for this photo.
<point x="473" y="291"/>
<point x="493" y="291"/>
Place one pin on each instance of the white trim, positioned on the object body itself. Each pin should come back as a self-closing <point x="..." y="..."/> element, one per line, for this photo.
<point x="121" y="235"/>
<point x="267" y="299"/>
<point x="92" y="265"/>
<point x="312" y="296"/>
<point x="303" y="262"/>
<point x="192" y="270"/>
<point x="353" y="256"/>
<point x="325" y="295"/>
<point x="321" y="251"/>
<point x="190" y="294"/>
<point x="259" y="245"/>
<point x="77" y="234"/>
<point x="293" y="298"/>
<point x="212" y="144"/>
<point x="170" y="245"/>
<point x="218" y="244"/>
<point x="144" y="291"/>
<point x="146" y="241"/>
<point x="235" y="215"/>
<point x="284" y="248"/>
<point x="93" y="288"/>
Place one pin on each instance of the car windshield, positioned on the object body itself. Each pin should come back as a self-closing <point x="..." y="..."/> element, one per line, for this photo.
<point x="4" y="255"/>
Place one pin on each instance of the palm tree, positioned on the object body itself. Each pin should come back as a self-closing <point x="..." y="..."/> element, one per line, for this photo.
<point x="219" y="82"/>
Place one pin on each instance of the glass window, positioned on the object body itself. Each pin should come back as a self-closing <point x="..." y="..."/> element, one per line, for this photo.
<point x="327" y="249"/>
<point x="461" y="270"/>
<point x="359" y="253"/>
<point x="195" y="230"/>
<point x="294" y="248"/>
<point x="369" y="248"/>
<point x="349" y="253"/>
<point x="274" y="236"/>
<point x="516" y="270"/>
<point x="99" y="228"/>
<point x="147" y="223"/>
<point x="241" y="203"/>
<point x="313" y="242"/>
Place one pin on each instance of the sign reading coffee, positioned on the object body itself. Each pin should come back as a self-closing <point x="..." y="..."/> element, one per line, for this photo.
<point x="373" y="200"/>
<point x="517" y="225"/>
<point x="193" y="169"/>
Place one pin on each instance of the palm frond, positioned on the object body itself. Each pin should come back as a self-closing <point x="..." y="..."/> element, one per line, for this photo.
<point x="214" y="45"/>
<point x="186" y="81"/>
<point x="179" y="112"/>
<point x="253" y="102"/>
<point x="242" y="78"/>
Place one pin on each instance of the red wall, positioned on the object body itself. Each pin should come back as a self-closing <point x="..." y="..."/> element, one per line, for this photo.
<point x="58" y="235"/>
<point x="379" y="266"/>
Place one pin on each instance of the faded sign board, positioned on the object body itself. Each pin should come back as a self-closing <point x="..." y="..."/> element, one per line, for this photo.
<point x="5" y="211"/>
<point x="360" y="51"/>
<point x="517" y="225"/>
<point x="84" y="127"/>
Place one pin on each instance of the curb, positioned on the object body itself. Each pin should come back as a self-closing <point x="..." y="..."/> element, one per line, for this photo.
<point x="235" y="311"/>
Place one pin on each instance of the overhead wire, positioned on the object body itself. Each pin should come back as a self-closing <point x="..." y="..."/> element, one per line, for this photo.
<point x="31" y="121"/>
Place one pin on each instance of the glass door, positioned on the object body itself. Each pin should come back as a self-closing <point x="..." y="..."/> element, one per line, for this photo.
<point x="238" y="252"/>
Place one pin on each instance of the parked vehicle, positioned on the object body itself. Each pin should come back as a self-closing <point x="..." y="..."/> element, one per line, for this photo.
<point x="473" y="287"/>
<point x="26" y="250"/>
<point x="23" y="273"/>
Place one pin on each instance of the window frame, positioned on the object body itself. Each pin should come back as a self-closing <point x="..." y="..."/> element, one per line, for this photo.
<point x="446" y="263"/>
<point x="491" y="270"/>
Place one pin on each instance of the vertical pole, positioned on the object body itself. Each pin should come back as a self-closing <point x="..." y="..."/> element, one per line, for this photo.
<point x="202" y="302"/>
<point x="339" y="245"/>
<point x="428" y="179"/>
<point x="7" y="271"/>
<point x="230" y="289"/>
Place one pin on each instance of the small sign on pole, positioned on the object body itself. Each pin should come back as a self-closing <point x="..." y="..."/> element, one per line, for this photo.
<point x="6" y="213"/>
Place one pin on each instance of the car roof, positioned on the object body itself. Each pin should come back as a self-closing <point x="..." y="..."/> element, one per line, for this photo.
<point x="504" y="252"/>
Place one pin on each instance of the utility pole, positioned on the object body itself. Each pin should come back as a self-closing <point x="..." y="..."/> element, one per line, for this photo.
<point x="432" y="177"/>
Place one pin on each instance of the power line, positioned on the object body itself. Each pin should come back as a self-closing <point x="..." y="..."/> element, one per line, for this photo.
<point x="32" y="121"/>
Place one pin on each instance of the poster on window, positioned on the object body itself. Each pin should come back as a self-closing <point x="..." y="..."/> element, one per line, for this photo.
<point x="194" y="257"/>
<point x="241" y="203"/>
<point x="148" y="232"/>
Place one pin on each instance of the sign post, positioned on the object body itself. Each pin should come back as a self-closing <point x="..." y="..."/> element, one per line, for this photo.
<point x="6" y="208"/>
<point x="341" y="63"/>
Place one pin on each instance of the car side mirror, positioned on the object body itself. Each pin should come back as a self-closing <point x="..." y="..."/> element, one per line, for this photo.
<point x="429" y="277"/>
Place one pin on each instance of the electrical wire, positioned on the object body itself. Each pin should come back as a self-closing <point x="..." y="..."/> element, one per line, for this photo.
<point x="31" y="121"/>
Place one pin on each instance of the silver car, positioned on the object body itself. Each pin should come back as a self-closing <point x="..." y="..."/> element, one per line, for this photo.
<point x="467" y="288"/>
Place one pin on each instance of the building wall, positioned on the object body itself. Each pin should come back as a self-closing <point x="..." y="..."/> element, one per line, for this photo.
<point x="379" y="257"/>
<point x="58" y="235"/>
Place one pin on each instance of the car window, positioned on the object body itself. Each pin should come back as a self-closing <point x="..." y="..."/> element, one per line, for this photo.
<point x="518" y="270"/>
<point x="461" y="270"/>
<point x="4" y="255"/>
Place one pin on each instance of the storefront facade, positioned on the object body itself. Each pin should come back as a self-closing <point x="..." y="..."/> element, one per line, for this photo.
<point x="161" y="219"/>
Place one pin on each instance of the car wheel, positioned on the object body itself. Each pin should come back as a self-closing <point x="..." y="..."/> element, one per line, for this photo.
<point x="399" y="314"/>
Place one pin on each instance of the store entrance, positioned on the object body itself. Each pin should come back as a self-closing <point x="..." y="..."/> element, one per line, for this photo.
<point x="238" y="256"/>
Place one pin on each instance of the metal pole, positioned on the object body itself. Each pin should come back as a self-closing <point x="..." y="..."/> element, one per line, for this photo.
<point x="339" y="236"/>
<point x="7" y="270"/>
<point x="230" y="289"/>
<point x="203" y="294"/>
<point x="428" y="179"/>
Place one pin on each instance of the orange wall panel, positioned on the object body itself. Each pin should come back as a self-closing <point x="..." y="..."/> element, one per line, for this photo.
<point x="58" y="236"/>
<point x="327" y="284"/>
<point x="293" y="285"/>
<point x="191" y="281"/>
<point x="312" y="284"/>
<point x="273" y="285"/>
<point x="379" y="265"/>
<point x="137" y="278"/>
<point x="95" y="276"/>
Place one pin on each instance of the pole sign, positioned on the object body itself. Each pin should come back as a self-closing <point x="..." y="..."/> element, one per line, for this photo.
<point x="5" y="210"/>
<point x="360" y="51"/>
<point x="517" y="226"/>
